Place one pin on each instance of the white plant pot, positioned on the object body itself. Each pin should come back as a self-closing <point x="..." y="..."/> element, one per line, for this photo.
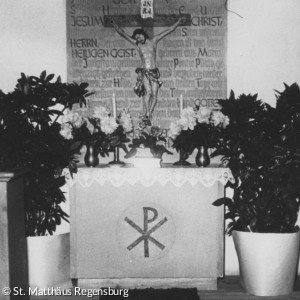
<point x="267" y="261"/>
<point x="49" y="261"/>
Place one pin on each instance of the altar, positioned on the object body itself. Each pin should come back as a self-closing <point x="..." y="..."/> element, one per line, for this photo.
<point x="155" y="227"/>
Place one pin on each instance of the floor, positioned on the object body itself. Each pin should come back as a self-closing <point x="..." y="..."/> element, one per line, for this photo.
<point x="229" y="289"/>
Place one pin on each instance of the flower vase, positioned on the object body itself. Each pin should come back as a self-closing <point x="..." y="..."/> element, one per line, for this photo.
<point x="116" y="162"/>
<point x="183" y="156"/>
<point x="202" y="157"/>
<point x="91" y="156"/>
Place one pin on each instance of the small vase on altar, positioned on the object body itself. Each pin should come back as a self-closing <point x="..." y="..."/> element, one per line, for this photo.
<point x="91" y="156"/>
<point x="202" y="157"/>
<point x="116" y="162"/>
<point x="183" y="156"/>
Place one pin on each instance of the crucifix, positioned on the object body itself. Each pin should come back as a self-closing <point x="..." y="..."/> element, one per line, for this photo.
<point x="148" y="76"/>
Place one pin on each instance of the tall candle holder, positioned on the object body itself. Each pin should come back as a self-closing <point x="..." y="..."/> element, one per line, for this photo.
<point x="180" y="105"/>
<point x="116" y="162"/>
<point x="114" y="105"/>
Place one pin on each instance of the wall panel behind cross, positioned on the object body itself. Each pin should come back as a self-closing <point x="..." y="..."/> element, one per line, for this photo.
<point x="191" y="59"/>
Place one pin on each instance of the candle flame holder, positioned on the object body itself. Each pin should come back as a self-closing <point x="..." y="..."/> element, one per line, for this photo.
<point x="116" y="162"/>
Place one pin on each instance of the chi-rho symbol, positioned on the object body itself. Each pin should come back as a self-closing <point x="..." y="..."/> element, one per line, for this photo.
<point x="147" y="231"/>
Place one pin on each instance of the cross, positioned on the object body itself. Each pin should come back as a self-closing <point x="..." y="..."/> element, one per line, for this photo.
<point x="162" y="20"/>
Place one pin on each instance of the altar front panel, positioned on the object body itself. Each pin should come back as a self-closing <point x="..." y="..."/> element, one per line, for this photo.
<point x="146" y="231"/>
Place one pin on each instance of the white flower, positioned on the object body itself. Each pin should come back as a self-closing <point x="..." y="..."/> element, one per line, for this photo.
<point x="197" y="102"/>
<point x="74" y="118"/>
<point x="218" y="118"/>
<point x="225" y="122"/>
<point x="66" y="131"/>
<point x="174" y="129"/>
<point x="203" y="115"/>
<point x="125" y="121"/>
<point x="188" y="118"/>
<point x="108" y="125"/>
<point x="101" y="112"/>
<point x="89" y="126"/>
<point x="77" y="120"/>
<point x="67" y="117"/>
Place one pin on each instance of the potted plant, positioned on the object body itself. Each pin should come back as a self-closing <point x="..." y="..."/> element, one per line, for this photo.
<point x="261" y="146"/>
<point x="149" y="145"/>
<point x="31" y="137"/>
<point x="196" y="129"/>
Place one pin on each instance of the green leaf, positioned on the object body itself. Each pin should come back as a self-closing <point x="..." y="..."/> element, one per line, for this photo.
<point x="231" y="96"/>
<point x="132" y="152"/>
<point x="49" y="77"/>
<point x="89" y="94"/>
<point x="76" y="145"/>
<point x="56" y="112"/>
<point x="84" y="85"/>
<point x="229" y="215"/>
<point x="222" y="201"/>
<point x="43" y="75"/>
<point x="123" y="146"/>
<point x="60" y="181"/>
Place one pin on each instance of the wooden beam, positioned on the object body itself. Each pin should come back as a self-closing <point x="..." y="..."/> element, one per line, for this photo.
<point x="138" y="21"/>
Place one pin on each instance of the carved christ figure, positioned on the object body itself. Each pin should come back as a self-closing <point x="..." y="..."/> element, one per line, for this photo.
<point x="148" y="79"/>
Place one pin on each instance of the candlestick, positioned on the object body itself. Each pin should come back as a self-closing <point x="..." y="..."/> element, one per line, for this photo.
<point x="114" y="107"/>
<point x="181" y="104"/>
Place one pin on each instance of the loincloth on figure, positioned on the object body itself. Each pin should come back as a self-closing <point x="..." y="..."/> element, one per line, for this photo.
<point x="153" y="75"/>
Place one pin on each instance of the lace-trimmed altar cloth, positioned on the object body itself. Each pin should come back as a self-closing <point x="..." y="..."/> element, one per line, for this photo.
<point x="147" y="177"/>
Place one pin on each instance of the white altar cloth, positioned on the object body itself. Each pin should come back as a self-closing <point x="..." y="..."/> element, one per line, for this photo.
<point x="136" y="228"/>
<point x="147" y="177"/>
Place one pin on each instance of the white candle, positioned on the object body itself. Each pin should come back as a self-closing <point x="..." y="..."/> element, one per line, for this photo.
<point x="181" y="104"/>
<point x="114" y="107"/>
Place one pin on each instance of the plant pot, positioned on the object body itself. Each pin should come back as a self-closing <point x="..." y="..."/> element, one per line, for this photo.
<point x="49" y="261"/>
<point x="267" y="261"/>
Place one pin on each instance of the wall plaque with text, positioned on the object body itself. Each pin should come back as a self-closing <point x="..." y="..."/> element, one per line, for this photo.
<point x="191" y="60"/>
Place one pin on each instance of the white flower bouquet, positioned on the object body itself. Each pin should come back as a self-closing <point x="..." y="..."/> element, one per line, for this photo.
<point x="196" y="127"/>
<point x="101" y="130"/>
